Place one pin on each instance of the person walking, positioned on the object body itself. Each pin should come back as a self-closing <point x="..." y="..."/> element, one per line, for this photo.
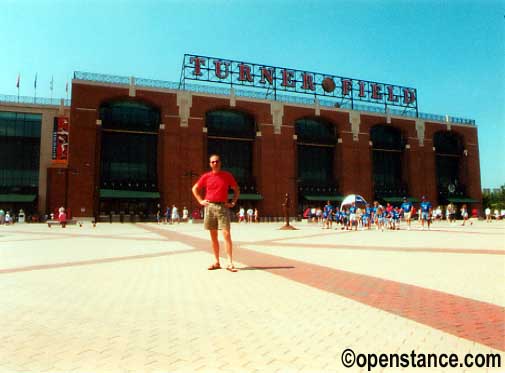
<point x="217" y="214"/>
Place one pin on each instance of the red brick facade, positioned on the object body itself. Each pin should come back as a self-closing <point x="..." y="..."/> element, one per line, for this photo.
<point x="182" y="148"/>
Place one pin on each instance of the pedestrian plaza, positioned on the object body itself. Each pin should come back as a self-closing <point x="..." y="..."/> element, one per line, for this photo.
<point x="139" y="297"/>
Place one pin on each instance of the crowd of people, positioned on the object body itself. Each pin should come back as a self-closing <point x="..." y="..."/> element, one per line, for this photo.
<point x="248" y="216"/>
<point x="172" y="215"/>
<point x="366" y="216"/>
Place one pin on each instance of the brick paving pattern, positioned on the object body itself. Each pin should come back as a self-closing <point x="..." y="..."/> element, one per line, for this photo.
<point x="121" y="298"/>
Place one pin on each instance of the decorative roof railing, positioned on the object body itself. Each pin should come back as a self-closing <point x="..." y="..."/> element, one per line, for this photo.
<point x="30" y="100"/>
<point x="251" y="93"/>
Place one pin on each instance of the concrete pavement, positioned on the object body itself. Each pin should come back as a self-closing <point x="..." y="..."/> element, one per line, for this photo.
<point x="123" y="297"/>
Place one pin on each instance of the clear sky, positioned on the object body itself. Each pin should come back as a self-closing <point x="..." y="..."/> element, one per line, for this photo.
<point x="452" y="51"/>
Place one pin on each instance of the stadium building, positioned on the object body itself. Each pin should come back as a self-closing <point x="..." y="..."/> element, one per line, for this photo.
<point x="127" y="146"/>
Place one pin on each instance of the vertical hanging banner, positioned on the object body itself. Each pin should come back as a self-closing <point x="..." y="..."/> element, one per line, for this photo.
<point x="60" y="140"/>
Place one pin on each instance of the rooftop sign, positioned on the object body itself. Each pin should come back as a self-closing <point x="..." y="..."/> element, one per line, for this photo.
<point x="276" y="80"/>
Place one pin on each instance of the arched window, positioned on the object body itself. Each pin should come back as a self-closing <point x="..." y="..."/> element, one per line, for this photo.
<point x="316" y="139"/>
<point x="387" y="151"/>
<point x="448" y="150"/>
<point x="129" y="116"/>
<point x="231" y="135"/>
<point x="129" y="145"/>
<point x="315" y="131"/>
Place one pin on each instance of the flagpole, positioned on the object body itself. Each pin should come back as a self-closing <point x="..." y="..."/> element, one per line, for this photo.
<point x="35" y="89"/>
<point x="51" y="87"/>
<point x="17" y="84"/>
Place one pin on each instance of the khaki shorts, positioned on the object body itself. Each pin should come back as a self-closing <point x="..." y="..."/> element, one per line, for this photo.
<point x="407" y="215"/>
<point x="217" y="216"/>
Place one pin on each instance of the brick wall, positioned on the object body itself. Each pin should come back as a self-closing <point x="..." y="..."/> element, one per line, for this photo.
<point x="182" y="149"/>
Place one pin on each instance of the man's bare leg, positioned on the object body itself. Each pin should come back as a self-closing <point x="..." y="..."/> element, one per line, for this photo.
<point x="229" y="249"/>
<point x="215" y="245"/>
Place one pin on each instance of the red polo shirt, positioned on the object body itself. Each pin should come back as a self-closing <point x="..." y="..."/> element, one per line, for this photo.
<point x="216" y="185"/>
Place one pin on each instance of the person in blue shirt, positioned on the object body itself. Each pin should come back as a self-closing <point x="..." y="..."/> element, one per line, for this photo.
<point x="327" y="215"/>
<point x="395" y="218"/>
<point x="375" y="216"/>
<point x="406" y="209"/>
<point x="337" y="217"/>
<point x="367" y="217"/>
<point x="425" y="211"/>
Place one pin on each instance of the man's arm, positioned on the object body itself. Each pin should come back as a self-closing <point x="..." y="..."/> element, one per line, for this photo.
<point x="236" y="194"/>
<point x="197" y="195"/>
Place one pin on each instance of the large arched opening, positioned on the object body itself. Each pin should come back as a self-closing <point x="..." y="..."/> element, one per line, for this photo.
<point x="128" y="161"/>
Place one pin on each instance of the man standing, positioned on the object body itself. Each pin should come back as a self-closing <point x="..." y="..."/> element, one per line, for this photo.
<point x="217" y="215"/>
<point x="406" y="209"/>
<point x="425" y="211"/>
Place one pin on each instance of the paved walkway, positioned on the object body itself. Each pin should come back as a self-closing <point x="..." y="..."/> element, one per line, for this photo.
<point x="122" y="297"/>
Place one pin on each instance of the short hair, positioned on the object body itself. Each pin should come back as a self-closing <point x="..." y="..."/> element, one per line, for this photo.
<point x="214" y="155"/>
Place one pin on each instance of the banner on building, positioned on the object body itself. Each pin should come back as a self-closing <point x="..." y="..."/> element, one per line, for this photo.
<point x="60" y="140"/>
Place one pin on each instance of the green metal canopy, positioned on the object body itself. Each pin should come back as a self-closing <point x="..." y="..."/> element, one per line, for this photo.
<point x="323" y="198"/>
<point x="113" y="193"/>
<point x="462" y="200"/>
<point x="14" y="197"/>
<point x="248" y="197"/>
<point x="397" y="199"/>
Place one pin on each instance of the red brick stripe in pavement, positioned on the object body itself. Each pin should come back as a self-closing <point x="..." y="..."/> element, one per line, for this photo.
<point x="466" y="318"/>
<point x="385" y="248"/>
<point x="91" y="261"/>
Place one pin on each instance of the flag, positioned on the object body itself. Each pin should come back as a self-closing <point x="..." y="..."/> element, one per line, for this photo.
<point x="66" y="88"/>
<point x="35" y="82"/>
<point x="51" y="83"/>
<point x="17" y="83"/>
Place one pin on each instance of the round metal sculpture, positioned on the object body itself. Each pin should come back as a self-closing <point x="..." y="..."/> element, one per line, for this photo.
<point x="328" y="85"/>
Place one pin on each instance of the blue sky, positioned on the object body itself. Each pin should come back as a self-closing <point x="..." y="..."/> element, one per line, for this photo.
<point x="453" y="52"/>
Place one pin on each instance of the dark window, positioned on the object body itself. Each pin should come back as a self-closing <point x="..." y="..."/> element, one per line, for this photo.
<point x="128" y="161"/>
<point x="386" y="170"/>
<point x="446" y="142"/>
<point x="228" y="123"/>
<point x="316" y="141"/>
<point x="230" y="134"/>
<point x="448" y="149"/>
<point x="386" y="138"/>
<point x="315" y="164"/>
<point x="129" y="146"/>
<point x="315" y="131"/>
<point x="387" y="150"/>
<point x="20" y="150"/>
<point x="129" y="116"/>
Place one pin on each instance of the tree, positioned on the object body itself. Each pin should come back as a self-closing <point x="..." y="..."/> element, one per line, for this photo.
<point x="494" y="200"/>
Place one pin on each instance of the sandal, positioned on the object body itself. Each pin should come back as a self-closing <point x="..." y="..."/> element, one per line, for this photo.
<point x="231" y="268"/>
<point x="214" y="266"/>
